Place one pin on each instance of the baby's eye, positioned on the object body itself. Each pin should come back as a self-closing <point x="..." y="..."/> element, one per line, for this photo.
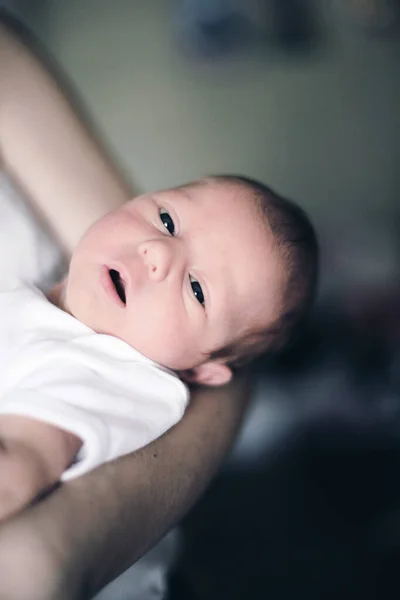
<point x="167" y="221"/>
<point x="197" y="291"/>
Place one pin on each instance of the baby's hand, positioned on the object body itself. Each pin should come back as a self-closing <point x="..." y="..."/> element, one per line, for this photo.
<point x="22" y="476"/>
<point x="33" y="456"/>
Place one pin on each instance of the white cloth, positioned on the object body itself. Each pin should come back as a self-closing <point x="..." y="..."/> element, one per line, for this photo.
<point x="56" y="369"/>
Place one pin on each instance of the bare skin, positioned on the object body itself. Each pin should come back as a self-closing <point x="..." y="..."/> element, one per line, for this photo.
<point x="63" y="542"/>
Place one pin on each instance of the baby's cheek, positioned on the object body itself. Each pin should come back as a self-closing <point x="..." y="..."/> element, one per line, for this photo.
<point x="168" y="345"/>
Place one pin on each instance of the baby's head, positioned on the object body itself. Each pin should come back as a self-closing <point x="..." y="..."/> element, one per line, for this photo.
<point x="199" y="278"/>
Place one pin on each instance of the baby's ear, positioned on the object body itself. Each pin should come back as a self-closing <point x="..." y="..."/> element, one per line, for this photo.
<point x="209" y="373"/>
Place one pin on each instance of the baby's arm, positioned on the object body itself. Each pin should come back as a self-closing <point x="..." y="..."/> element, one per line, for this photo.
<point x="46" y="149"/>
<point x="33" y="455"/>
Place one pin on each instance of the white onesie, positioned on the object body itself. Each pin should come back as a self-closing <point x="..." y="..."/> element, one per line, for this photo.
<point x="56" y="369"/>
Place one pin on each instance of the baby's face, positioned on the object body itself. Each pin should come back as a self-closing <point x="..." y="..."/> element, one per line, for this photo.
<point x="176" y="274"/>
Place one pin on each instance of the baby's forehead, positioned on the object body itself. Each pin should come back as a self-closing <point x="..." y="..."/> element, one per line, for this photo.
<point x="228" y="209"/>
<point x="227" y="195"/>
<point x="209" y="184"/>
<point x="249" y="267"/>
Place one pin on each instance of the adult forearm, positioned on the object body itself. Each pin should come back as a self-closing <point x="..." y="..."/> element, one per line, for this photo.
<point x="47" y="149"/>
<point x="87" y="532"/>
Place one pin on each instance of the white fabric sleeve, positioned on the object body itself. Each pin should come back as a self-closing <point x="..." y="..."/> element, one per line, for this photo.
<point x="87" y="426"/>
<point x="110" y="419"/>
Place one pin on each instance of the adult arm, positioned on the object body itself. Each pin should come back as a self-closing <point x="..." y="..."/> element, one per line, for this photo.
<point x="88" y="531"/>
<point x="57" y="163"/>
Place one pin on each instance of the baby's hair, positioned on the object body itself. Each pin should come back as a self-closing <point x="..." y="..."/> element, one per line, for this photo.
<point x="297" y="248"/>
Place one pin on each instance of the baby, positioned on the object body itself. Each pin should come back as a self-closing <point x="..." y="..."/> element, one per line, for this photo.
<point x="181" y="285"/>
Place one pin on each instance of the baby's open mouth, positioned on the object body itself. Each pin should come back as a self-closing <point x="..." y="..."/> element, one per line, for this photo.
<point x="118" y="284"/>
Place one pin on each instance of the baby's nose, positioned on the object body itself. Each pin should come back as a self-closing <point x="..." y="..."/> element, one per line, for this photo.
<point x="157" y="256"/>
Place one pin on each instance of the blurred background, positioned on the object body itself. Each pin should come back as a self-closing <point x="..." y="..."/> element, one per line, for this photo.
<point x="304" y="95"/>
